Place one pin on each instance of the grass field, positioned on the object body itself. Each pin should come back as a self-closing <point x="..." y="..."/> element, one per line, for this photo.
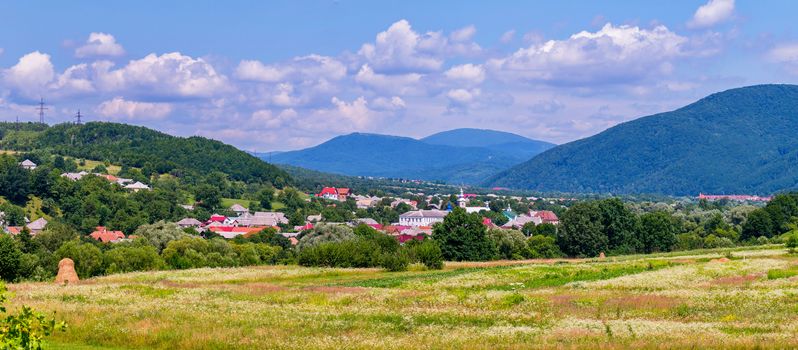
<point x="686" y="300"/>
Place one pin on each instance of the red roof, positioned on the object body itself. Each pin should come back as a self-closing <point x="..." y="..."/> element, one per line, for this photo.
<point x="103" y="235"/>
<point x="328" y="190"/>
<point x="343" y="191"/>
<point x="217" y="218"/>
<point x="547" y="216"/>
<point x="376" y="226"/>
<point x="14" y="230"/>
<point x="405" y="238"/>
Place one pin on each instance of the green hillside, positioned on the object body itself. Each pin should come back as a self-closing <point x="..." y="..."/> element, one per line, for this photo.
<point x="141" y="147"/>
<point x="737" y="141"/>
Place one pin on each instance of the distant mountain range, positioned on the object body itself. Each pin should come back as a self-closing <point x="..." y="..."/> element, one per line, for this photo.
<point x="738" y="141"/>
<point x="465" y="156"/>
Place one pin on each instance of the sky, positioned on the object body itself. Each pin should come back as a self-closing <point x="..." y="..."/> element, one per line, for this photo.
<point x="282" y="75"/>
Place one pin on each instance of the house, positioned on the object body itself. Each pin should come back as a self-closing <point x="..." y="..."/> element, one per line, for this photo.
<point x="37" y="226"/>
<point x="27" y="164"/>
<point x="412" y="204"/>
<point x="137" y="186"/>
<point x="422" y="217"/>
<point x="74" y="176"/>
<point x="262" y="218"/>
<point x="305" y="227"/>
<point x="520" y="220"/>
<point x="335" y="194"/>
<point x="233" y="231"/>
<point x="313" y="218"/>
<point x="104" y="235"/>
<point x="546" y="216"/>
<point x="189" y="222"/>
<point x="238" y="209"/>
<point x="366" y="202"/>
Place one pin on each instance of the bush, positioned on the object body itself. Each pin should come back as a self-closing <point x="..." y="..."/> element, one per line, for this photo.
<point x="713" y="241"/>
<point x="510" y="244"/>
<point x="349" y="253"/>
<point x="25" y="330"/>
<point x="394" y="262"/>
<point x="543" y="247"/>
<point x="426" y="252"/>
<point x="160" y="234"/>
<point x="132" y="258"/>
<point x="324" y="233"/>
<point x="87" y="257"/>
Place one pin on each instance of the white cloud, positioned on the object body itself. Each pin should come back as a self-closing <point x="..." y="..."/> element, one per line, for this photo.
<point x="468" y="73"/>
<point x="507" y="37"/>
<point x="400" y="49"/>
<point x="399" y="83"/>
<point x="311" y="67"/>
<point x="393" y="104"/>
<point x="463" y="96"/>
<point x="31" y="75"/>
<point x="463" y="34"/>
<point x="100" y="44"/>
<point x="787" y="55"/>
<point x="119" y="108"/>
<point x="612" y="55"/>
<point x="169" y="75"/>
<point x="713" y="12"/>
<point x="356" y="111"/>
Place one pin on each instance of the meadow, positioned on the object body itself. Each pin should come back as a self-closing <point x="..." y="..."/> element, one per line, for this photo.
<point x="739" y="298"/>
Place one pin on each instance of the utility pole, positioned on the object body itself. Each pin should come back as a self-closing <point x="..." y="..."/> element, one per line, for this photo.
<point x="41" y="109"/>
<point x="77" y="118"/>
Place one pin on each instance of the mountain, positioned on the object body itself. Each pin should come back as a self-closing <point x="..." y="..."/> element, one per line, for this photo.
<point x="141" y="147"/>
<point x="737" y="141"/>
<point x="499" y="141"/>
<point x="403" y="157"/>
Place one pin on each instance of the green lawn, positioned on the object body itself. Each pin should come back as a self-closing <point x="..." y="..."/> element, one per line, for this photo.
<point x="685" y="300"/>
<point x="227" y="202"/>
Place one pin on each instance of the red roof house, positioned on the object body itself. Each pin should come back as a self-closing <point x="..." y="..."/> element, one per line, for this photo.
<point x="547" y="216"/>
<point x="104" y="235"/>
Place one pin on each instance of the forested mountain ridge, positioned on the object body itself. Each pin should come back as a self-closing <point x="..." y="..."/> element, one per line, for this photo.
<point x="457" y="156"/>
<point x="148" y="149"/>
<point x="737" y="141"/>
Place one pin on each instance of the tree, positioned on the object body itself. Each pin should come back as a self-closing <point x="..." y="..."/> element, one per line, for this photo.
<point x="160" y="234"/>
<point x="463" y="237"/>
<point x="132" y="257"/>
<point x="581" y="232"/>
<point x="208" y="197"/>
<point x="325" y="233"/>
<point x="265" y="197"/>
<point x="619" y="225"/>
<point x="510" y="244"/>
<point x="10" y="255"/>
<point x="758" y="224"/>
<point x="657" y="232"/>
<point x="546" y="229"/>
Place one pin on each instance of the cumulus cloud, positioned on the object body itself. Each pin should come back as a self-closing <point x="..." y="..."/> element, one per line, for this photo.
<point x="171" y="75"/>
<point x="100" y="44"/>
<point x="394" y="103"/>
<point x="31" y="75"/>
<point x="311" y="67"/>
<point x="400" y="49"/>
<point x="397" y="83"/>
<point x="614" y="54"/>
<point x="507" y="37"/>
<point x="468" y="73"/>
<point x="786" y="55"/>
<point x="712" y="13"/>
<point x="119" y="108"/>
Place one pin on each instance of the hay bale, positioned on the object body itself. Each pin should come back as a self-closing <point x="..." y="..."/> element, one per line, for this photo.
<point x="602" y="256"/>
<point x="66" y="272"/>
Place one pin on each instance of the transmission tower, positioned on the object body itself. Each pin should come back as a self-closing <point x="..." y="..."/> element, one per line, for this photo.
<point x="41" y="110"/>
<point x="78" y="120"/>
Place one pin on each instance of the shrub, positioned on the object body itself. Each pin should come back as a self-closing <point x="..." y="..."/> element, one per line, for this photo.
<point x="87" y="257"/>
<point x="25" y="330"/>
<point x="541" y="246"/>
<point x="132" y="258"/>
<point x="713" y="241"/>
<point x="394" y="262"/>
<point x="324" y="233"/>
<point x="426" y="252"/>
<point x="160" y="234"/>
<point x="349" y="253"/>
<point x="510" y="244"/>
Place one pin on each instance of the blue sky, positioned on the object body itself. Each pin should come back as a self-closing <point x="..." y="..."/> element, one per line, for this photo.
<point x="286" y="75"/>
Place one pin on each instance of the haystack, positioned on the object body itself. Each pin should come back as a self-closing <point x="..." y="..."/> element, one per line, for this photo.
<point x="66" y="272"/>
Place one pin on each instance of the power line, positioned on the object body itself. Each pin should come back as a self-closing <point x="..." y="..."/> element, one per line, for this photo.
<point x="41" y="109"/>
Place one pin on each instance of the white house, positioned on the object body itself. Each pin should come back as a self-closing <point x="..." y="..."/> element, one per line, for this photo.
<point x="137" y="186"/>
<point x="238" y="209"/>
<point x="422" y="217"/>
<point x="28" y="164"/>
